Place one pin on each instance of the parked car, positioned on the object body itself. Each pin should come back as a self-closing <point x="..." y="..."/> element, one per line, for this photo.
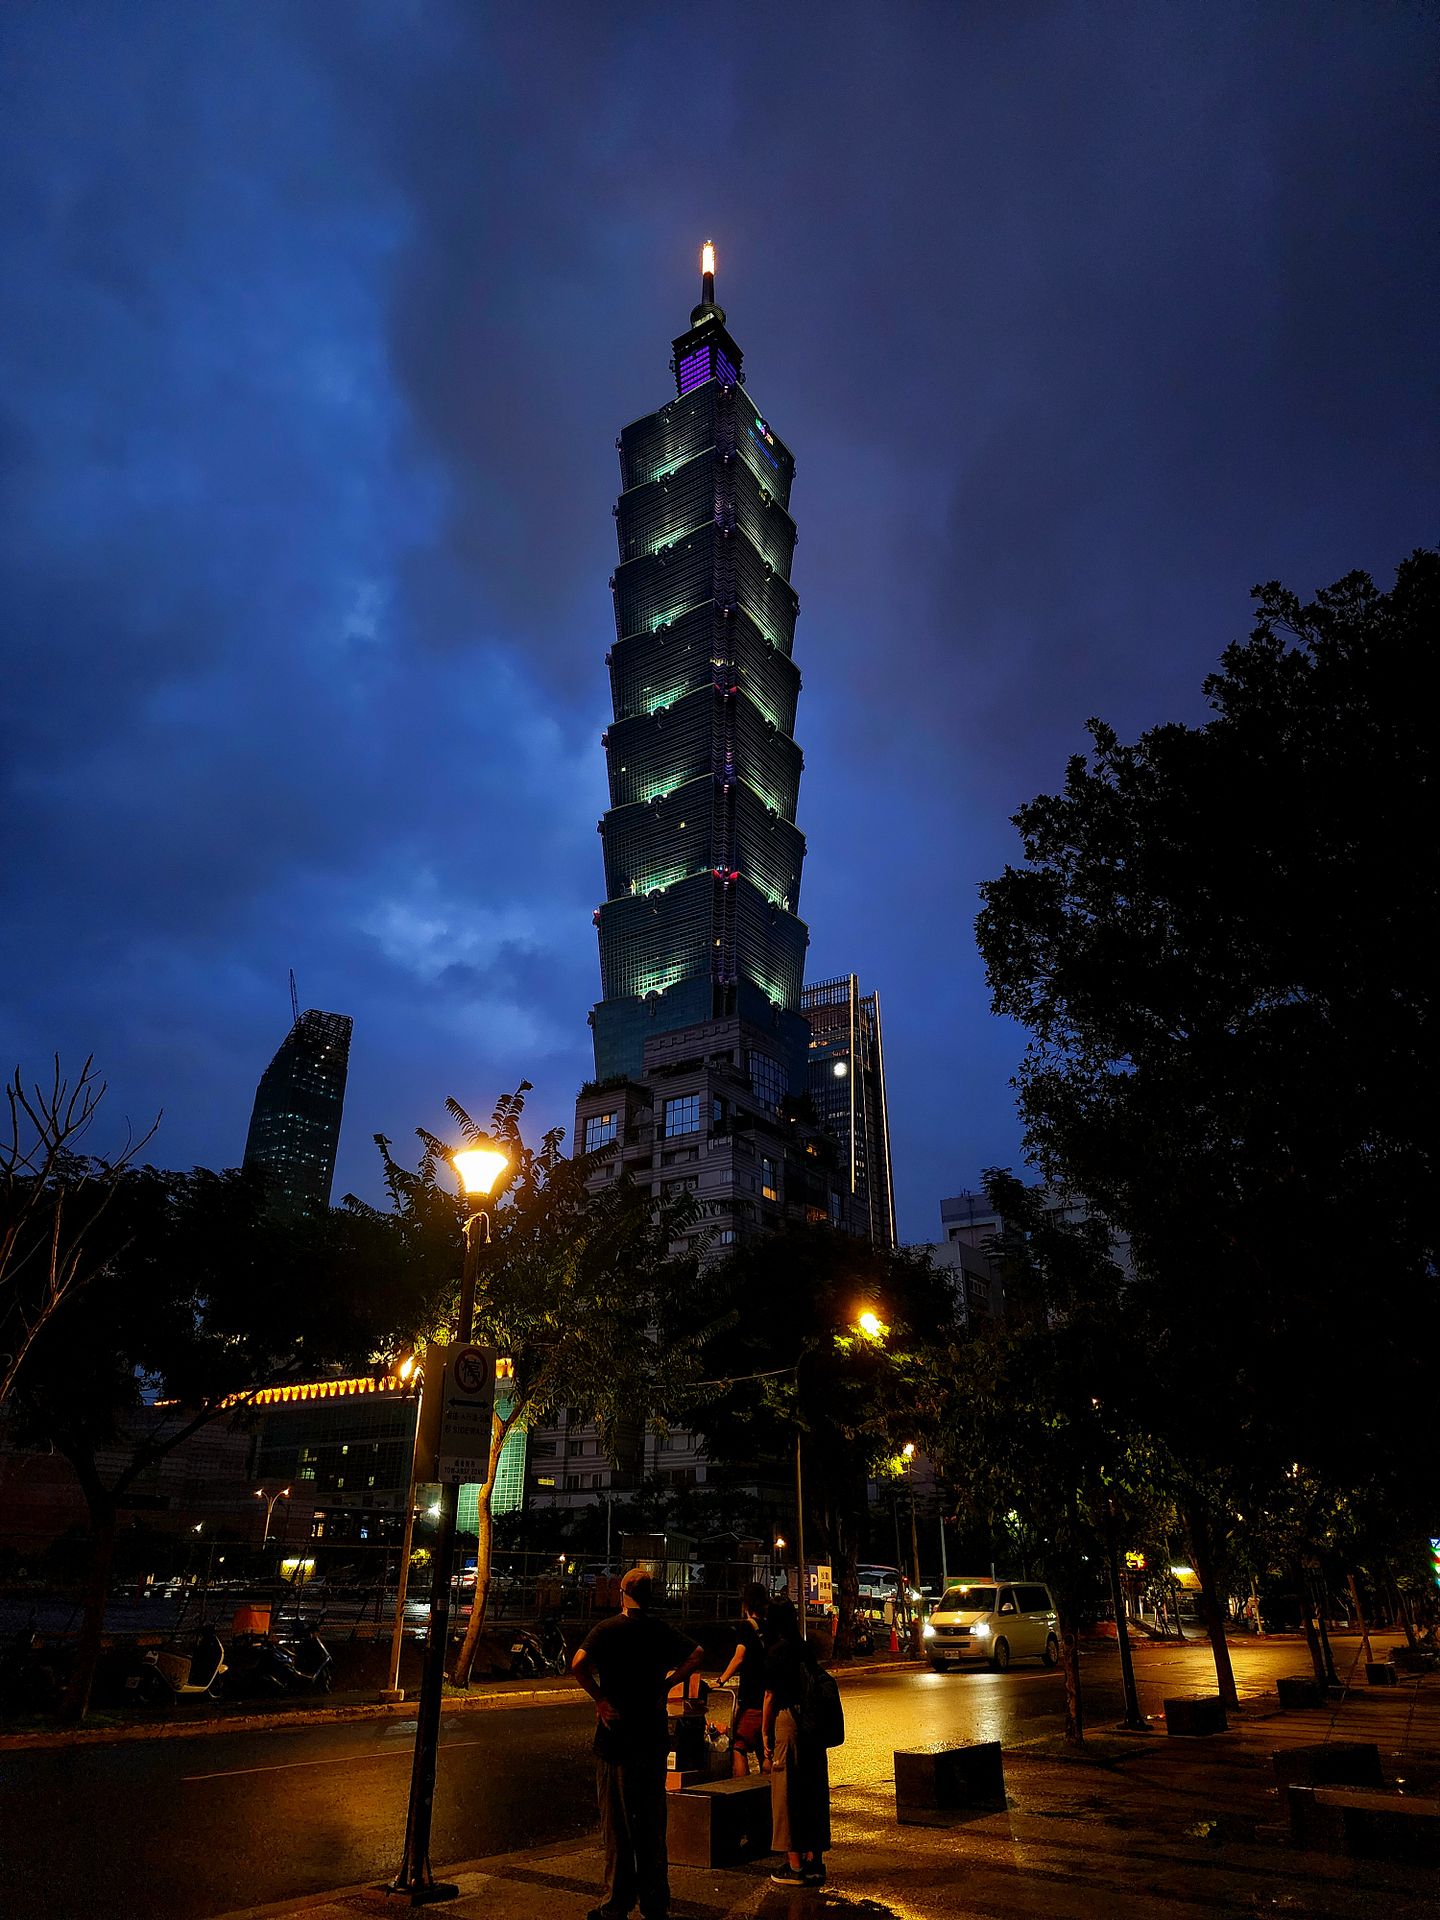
<point x="994" y="1623"/>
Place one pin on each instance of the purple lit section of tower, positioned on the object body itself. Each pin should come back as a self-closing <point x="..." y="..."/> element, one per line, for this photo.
<point x="694" y="370"/>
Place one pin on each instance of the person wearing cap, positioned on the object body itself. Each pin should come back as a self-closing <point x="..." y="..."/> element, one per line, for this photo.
<point x="627" y="1665"/>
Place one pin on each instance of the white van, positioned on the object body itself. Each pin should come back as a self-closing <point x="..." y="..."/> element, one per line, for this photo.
<point x="996" y="1621"/>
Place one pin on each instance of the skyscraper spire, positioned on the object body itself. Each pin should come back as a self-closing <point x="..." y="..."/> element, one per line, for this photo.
<point x="707" y="307"/>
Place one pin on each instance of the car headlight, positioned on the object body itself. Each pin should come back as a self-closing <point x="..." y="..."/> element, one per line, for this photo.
<point x="927" y="1632"/>
<point x="980" y="1629"/>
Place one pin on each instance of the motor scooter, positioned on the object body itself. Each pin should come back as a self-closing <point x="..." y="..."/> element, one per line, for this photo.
<point x="261" y="1664"/>
<point x="538" y="1650"/>
<point x="166" y="1675"/>
<point x="28" y="1680"/>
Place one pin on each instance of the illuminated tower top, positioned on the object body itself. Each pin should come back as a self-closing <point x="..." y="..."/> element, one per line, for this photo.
<point x="702" y="853"/>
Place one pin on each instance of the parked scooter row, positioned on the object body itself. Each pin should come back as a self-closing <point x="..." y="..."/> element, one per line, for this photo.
<point x="257" y="1665"/>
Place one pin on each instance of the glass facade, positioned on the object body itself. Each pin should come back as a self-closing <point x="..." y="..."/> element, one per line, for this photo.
<point x="295" y="1124"/>
<point x="847" y="1090"/>
<point x="702" y="852"/>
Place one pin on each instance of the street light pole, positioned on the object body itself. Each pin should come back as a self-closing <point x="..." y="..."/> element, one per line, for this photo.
<point x="800" y="1526"/>
<point x="393" y="1693"/>
<point x="269" y="1499"/>
<point x="480" y="1170"/>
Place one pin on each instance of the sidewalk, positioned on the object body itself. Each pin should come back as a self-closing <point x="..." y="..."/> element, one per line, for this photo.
<point x="1140" y="1827"/>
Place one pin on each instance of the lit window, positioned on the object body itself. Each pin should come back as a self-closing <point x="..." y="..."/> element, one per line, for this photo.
<point x="682" y="1115"/>
<point x="769" y="1179"/>
<point x="599" y="1131"/>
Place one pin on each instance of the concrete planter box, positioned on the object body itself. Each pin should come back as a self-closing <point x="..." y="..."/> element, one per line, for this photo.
<point x="1206" y="1714"/>
<point x="719" y="1822"/>
<point x="1300" y="1690"/>
<point x="1367" y="1826"/>
<point x="932" y="1784"/>
<point x="1380" y="1673"/>
<point x="1335" y="1763"/>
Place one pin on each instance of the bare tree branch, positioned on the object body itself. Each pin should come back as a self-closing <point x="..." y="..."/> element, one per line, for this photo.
<point x="52" y="1197"/>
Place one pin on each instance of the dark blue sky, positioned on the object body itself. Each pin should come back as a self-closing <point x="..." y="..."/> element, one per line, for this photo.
<point x="320" y="321"/>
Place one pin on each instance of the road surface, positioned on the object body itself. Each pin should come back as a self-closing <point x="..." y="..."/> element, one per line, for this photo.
<point x="185" y="1829"/>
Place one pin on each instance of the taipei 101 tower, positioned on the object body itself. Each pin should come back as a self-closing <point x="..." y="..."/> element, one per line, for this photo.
<point x="700" y="921"/>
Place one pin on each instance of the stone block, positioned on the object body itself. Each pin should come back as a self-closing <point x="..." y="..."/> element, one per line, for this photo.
<point x="1332" y="1763"/>
<point x="934" y="1783"/>
<point x="1300" y="1690"/>
<point x="1365" y="1825"/>
<point x="1203" y="1714"/>
<point x="719" y="1822"/>
<point x="1380" y="1673"/>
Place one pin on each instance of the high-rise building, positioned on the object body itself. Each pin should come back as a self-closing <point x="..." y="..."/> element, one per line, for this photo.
<point x="700" y="1045"/>
<point x="295" y="1124"/>
<point x="847" y="1090"/>
<point x="702" y="853"/>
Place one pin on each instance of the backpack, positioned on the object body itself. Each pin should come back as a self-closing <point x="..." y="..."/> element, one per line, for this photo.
<point x="821" y="1714"/>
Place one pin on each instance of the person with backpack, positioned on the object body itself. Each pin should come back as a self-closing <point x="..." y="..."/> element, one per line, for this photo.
<point x="799" y="1720"/>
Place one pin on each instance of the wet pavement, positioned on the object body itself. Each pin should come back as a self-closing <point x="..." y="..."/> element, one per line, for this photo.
<point x="267" y="1820"/>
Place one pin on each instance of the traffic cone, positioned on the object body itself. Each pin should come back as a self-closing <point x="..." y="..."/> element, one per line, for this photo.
<point x="894" y="1639"/>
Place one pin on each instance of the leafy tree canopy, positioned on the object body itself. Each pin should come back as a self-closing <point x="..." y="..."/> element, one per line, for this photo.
<point x="1223" y="942"/>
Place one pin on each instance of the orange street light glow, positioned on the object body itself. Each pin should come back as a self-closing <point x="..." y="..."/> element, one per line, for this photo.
<point x="479" y="1168"/>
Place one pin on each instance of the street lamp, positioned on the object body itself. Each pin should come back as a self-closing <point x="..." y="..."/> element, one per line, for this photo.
<point x="270" y="1500"/>
<point x="483" y="1169"/>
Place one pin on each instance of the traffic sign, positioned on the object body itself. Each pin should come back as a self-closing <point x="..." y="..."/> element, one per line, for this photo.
<point x="465" y="1377"/>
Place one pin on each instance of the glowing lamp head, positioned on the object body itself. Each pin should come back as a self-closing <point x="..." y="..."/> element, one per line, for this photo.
<point x="707" y="257"/>
<point x="839" y="1069"/>
<point x="907" y="1452"/>
<point x="871" y="1325"/>
<point x="480" y="1168"/>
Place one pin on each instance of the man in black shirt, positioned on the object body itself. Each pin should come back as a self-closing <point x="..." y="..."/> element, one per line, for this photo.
<point x="627" y="1665"/>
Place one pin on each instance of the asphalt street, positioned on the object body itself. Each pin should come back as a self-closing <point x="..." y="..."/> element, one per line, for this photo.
<point x="183" y="1829"/>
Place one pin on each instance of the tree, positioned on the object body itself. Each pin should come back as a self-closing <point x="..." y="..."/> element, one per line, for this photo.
<point x="784" y="1308"/>
<point x="568" y="1295"/>
<point x="208" y="1296"/>
<point x="1032" y="1416"/>
<point x="1222" y="943"/>
<point x="53" y="1198"/>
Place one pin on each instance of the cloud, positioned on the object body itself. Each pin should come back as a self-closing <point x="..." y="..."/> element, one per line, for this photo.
<point x="319" y="330"/>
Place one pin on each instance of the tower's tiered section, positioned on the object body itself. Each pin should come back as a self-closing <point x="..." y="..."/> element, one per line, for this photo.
<point x="702" y="853"/>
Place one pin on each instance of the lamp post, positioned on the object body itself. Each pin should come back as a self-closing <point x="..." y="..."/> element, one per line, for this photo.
<point x="392" y="1693"/>
<point x="269" y="1499"/>
<point x="482" y="1169"/>
<point x="908" y="1451"/>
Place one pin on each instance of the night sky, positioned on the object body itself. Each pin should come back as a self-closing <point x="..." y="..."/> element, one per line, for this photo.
<point x="320" y="322"/>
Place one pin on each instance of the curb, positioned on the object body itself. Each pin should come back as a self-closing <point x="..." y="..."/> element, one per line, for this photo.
<point x="270" y="1722"/>
<point x="562" y="1693"/>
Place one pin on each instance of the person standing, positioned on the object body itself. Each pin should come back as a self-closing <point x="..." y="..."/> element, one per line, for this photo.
<point x="747" y="1670"/>
<point x="627" y="1664"/>
<point x="799" y="1770"/>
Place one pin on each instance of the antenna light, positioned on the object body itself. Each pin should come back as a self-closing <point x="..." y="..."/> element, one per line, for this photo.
<point x="707" y="257"/>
